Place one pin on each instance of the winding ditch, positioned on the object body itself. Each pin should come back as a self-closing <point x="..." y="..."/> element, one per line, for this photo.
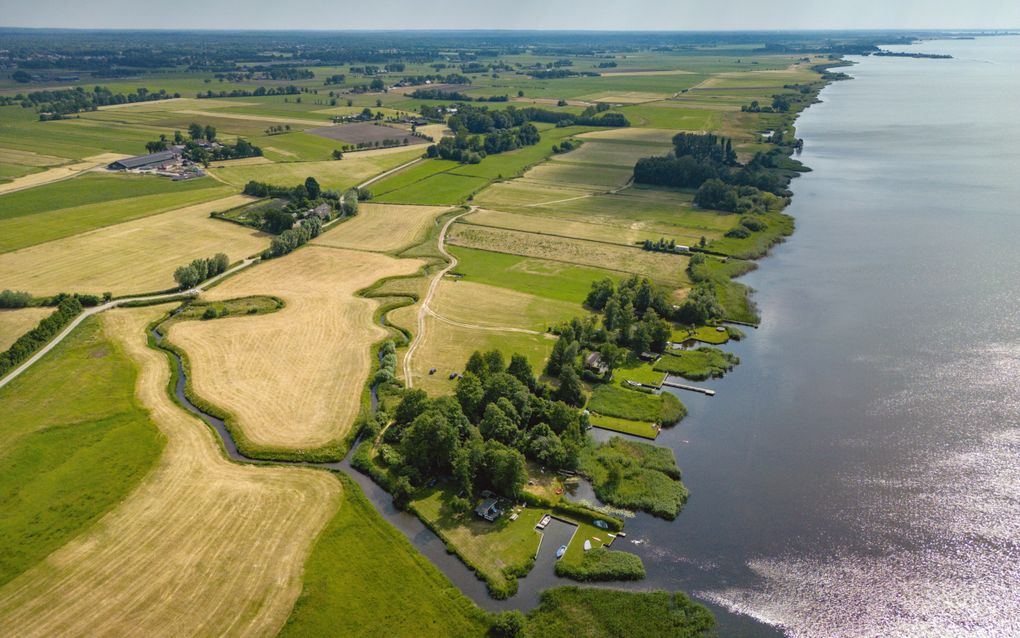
<point x="424" y="539"/>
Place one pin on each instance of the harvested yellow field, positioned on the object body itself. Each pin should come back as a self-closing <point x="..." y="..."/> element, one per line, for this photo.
<point x="293" y="378"/>
<point x="662" y="267"/>
<point x="203" y="547"/>
<point x="471" y="303"/>
<point x="136" y="256"/>
<point x="252" y="118"/>
<point x="244" y="161"/>
<point x="28" y="158"/>
<point x="627" y="97"/>
<point x="58" y="173"/>
<point x="383" y="227"/>
<point x="14" y="323"/>
<point x="633" y="134"/>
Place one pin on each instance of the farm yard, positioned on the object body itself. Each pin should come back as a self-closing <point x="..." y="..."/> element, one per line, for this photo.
<point x="301" y="351"/>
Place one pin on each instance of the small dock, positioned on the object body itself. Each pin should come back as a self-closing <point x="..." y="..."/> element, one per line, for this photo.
<point x="672" y="383"/>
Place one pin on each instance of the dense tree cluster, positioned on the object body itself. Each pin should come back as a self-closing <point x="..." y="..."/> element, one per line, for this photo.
<point x="201" y="269"/>
<point x="499" y="416"/>
<point x="471" y="149"/>
<point x="300" y="199"/>
<point x="633" y="317"/>
<point x="14" y="299"/>
<point x="709" y="164"/>
<point x="290" y="89"/>
<point x="566" y="146"/>
<point x="68" y="308"/>
<point x="54" y="103"/>
<point x="558" y="74"/>
<point x="418" y="80"/>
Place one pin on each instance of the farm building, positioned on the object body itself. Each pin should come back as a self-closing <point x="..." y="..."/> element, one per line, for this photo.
<point x="152" y="160"/>
<point x="488" y="509"/>
<point x="322" y="211"/>
<point x="595" y="362"/>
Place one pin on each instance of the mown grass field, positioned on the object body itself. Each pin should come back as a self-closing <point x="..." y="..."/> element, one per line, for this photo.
<point x="544" y="278"/>
<point x="292" y="378"/>
<point x="16" y="322"/>
<point x="383" y="227"/>
<point x="364" y="578"/>
<point x="447" y="348"/>
<point x="129" y="257"/>
<point x="662" y="267"/>
<point x="69" y="207"/>
<point x="481" y="304"/>
<point x="336" y="174"/>
<point x="625" y="426"/>
<point x="60" y="472"/>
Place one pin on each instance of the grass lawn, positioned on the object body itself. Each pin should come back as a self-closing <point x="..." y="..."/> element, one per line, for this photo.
<point x="705" y="334"/>
<point x="570" y="612"/>
<point x="623" y="403"/>
<point x="635" y="475"/>
<point x="697" y="365"/>
<point x="639" y="371"/>
<point x="497" y="550"/>
<point x="624" y="426"/>
<point x="354" y="169"/>
<point x="585" y="531"/>
<point x="441" y="188"/>
<point x="412" y="175"/>
<point x="363" y="578"/>
<point x="75" y="442"/>
<point x="555" y="280"/>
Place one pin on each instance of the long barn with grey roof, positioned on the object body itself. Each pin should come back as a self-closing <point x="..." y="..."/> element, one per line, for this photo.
<point x="152" y="160"/>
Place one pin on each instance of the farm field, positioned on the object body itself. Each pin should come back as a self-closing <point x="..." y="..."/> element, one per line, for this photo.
<point x="55" y="469"/>
<point x="366" y="133"/>
<point x="481" y="304"/>
<point x="382" y="227"/>
<point x="131" y="257"/>
<point x="629" y="235"/>
<point x="354" y="169"/>
<point x="360" y="565"/>
<point x="36" y="222"/>
<point x="56" y="174"/>
<point x="16" y="322"/>
<point x="545" y="278"/>
<point x="665" y="268"/>
<point x="292" y="379"/>
<point x="447" y="348"/>
<point x="195" y="511"/>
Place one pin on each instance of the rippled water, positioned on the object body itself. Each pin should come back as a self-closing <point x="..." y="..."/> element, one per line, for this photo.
<point x="859" y="473"/>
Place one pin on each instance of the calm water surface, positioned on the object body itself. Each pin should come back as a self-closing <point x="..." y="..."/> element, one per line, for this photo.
<point x="859" y="473"/>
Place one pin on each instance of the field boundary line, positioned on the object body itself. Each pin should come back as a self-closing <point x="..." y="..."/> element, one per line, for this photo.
<point x="424" y="308"/>
<point x="474" y="326"/>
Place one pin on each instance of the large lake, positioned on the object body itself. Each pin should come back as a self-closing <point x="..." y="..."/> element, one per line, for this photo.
<point x="859" y="473"/>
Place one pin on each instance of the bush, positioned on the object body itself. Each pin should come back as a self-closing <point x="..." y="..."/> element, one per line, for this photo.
<point x="210" y="313"/>
<point x="13" y="299"/>
<point x="738" y="233"/>
<point x="509" y="624"/>
<point x="753" y="224"/>
<point x="601" y="564"/>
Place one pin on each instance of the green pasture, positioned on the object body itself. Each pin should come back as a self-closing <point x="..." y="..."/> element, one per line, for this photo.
<point x="541" y="277"/>
<point x="364" y="578"/>
<point x="75" y="442"/>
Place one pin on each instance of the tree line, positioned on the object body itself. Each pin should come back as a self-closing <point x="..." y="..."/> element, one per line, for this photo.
<point x="54" y="103"/>
<point x="68" y="308"/>
<point x="471" y="149"/>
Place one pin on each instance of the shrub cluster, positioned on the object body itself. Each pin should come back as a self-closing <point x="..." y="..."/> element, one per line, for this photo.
<point x="14" y="299"/>
<point x="35" y="338"/>
<point x="601" y="564"/>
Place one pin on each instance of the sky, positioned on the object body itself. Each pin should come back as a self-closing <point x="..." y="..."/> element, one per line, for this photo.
<point x="656" y="15"/>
